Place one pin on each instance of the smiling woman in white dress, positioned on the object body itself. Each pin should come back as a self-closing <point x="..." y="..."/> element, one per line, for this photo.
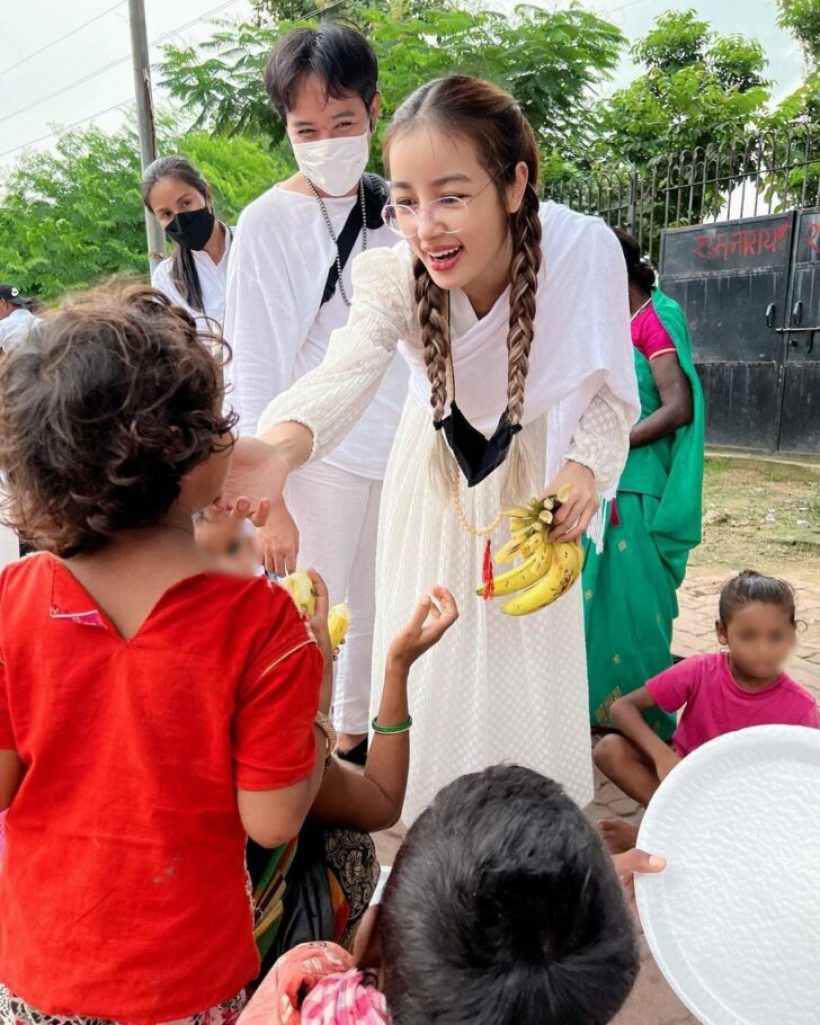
<point x="517" y="310"/>
<point x="194" y="276"/>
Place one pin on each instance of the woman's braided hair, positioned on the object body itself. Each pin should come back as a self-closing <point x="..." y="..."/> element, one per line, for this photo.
<point x="492" y="120"/>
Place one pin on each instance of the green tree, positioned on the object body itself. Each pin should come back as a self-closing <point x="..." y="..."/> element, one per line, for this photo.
<point x="699" y="90"/>
<point x="795" y="122"/>
<point x="549" y="59"/>
<point x="802" y="19"/>
<point x="273" y="11"/>
<point x="666" y="144"/>
<point x="73" y="216"/>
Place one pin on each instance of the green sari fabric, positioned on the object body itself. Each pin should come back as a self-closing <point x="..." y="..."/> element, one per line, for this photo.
<point x="630" y="599"/>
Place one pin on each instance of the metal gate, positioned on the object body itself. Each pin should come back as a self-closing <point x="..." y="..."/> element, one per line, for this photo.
<point x="751" y="292"/>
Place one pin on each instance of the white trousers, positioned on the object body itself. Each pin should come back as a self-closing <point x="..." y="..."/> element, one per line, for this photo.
<point x="337" y="514"/>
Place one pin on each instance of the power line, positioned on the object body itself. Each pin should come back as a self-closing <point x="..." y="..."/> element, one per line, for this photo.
<point x="66" y="88"/>
<point x="68" y="35"/>
<point x="623" y="7"/>
<point x="114" y="63"/>
<point x="65" y="128"/>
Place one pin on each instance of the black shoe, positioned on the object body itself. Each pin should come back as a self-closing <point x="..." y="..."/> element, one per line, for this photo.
<point x="356" y="755"/>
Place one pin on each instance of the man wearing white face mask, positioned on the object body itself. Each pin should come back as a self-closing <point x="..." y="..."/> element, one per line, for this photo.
<point x="289" y="287"/>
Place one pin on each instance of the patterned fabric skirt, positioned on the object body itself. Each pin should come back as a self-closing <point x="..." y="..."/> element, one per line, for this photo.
<point x="315" y="888"/>
<point x="14" y="1011"/>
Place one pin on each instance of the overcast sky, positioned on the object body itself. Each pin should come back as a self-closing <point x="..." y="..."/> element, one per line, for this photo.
<point x="72" y="80"/>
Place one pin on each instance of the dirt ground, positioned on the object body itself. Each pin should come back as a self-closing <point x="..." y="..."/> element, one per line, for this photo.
<point x="761" y="514"/>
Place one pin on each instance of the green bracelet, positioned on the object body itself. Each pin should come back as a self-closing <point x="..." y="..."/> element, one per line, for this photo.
<point x="402" y="727"/>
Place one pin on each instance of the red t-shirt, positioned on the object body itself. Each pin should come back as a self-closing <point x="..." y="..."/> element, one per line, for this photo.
<point x="717" y="704"/>
<point x="123" y="893"/>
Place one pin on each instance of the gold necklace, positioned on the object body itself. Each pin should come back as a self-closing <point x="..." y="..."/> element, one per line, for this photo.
<point x="462" y="516"/>
<point x="639" y="311"/>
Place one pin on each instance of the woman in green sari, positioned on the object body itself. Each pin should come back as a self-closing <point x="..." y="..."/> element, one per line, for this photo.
<point x="630" y="599"/>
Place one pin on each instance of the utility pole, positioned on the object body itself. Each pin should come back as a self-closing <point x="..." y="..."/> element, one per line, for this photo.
<point x="145" y="116"/>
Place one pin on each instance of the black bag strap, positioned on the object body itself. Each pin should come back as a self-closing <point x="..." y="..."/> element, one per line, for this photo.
<point x="375" y="197"/>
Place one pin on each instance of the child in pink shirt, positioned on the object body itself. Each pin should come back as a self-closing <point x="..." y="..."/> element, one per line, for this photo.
<point x="719" y="693"/>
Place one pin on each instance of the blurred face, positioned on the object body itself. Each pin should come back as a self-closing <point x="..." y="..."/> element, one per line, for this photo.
<point x="760" y="637"/>
<point x="229" y="541"/>
<point x="172" y="196"/>
<point x="462" y="248"/>
<point x="5" y="309"/>
<point x="315" y="115"/>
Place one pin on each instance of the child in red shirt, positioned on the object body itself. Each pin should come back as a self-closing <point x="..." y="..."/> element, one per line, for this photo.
<point x="153" y="711"/>
<point x="720" y="693"/>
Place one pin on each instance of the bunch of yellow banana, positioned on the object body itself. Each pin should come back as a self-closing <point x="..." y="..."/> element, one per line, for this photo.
<point x="547" y="568"/>
<point x="300" y="587"/>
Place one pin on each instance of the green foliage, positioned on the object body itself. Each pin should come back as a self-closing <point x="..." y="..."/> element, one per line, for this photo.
<point x="799" y="116"/>
<point x="663" y="149"/>
<point x="220" y="83"/>
<point x="698" y="90"/>
<point x="73" y="216"/>
<point x="549" y="59"/>
<point x="274" y="11"/>
<point x="677" y="40"/>
<point x="802" y="19"/>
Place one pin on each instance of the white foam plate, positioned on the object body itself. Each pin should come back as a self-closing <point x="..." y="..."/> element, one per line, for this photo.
<point x="734" y="921"/>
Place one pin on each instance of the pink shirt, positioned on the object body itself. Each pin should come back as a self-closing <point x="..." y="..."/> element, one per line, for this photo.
<point x="649" y="336"/>
<point x="717" y="704"/>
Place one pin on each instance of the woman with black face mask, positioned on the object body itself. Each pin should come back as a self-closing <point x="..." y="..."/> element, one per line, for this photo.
<point x="194" y="276"/>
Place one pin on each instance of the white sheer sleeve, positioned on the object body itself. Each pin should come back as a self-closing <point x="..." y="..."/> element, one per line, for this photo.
<point x="330" y="399"/>
<point x="601" y="440"/>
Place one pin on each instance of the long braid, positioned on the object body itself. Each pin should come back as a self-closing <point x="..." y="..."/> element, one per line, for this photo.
<point x="526" y="263"/>
<point x="435" y="335"/>
<point x="492" y="121"/>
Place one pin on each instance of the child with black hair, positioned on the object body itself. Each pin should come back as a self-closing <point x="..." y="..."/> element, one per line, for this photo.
<point x="722" y="692"/>
<point x="502" y="909"/>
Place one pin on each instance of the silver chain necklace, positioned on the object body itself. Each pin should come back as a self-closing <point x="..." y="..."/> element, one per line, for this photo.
<point x="332" y="233"/>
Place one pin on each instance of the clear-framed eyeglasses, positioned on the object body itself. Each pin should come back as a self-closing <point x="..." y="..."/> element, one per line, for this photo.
<point x="448" y="213"/>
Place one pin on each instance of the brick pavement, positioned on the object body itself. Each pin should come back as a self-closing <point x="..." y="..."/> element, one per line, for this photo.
<point x="652" y="1002"/>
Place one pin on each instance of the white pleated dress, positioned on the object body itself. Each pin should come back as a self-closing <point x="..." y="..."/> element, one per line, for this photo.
<point x="496" y="688"/>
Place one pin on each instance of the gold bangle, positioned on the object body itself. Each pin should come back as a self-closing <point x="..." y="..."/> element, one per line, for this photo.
<point x="325" y="724"/>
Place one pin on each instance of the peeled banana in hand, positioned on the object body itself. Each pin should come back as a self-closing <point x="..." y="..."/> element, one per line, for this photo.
<point x="338" y="621"/>
<point x="547" y="568"/>
<point x="300" y="587"/>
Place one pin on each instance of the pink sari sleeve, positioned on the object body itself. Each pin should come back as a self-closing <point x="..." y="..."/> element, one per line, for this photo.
<point x="649" y="336"/>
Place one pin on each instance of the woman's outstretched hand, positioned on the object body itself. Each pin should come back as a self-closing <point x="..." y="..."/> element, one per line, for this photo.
<point x="279" y="541"/>
<point x="257" y="472"/>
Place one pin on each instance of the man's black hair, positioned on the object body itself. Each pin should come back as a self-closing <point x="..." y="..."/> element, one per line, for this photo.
<point x="503" y="908"/>
<point x="339" y="56"/>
